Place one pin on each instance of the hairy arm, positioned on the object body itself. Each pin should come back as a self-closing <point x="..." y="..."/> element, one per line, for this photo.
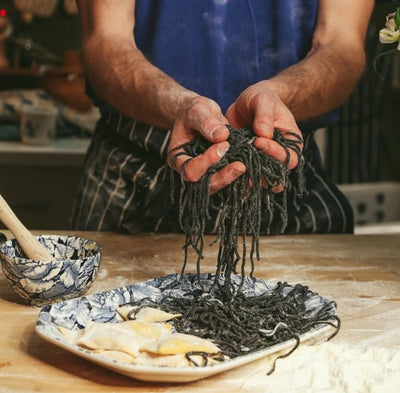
<point x="119" y="72"/>
<point x="325" y="78"/>
<point x="317" y="84"/>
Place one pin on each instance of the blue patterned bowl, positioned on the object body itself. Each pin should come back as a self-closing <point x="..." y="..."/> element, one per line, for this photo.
<point x="40" y="283"/>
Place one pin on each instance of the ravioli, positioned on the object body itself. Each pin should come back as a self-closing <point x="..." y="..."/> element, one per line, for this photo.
<point x="146" y="340"/>
<point x="176" y="343"/>
<point x="118" y="356"/>
<point x="71" y="335"/>
<point x="145" y="314"/>
<point x="128" y="336"/>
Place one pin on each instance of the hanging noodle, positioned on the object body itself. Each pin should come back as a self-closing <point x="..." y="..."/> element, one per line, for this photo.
<point x="237" y="323"/>
<point x="240" y="204"/>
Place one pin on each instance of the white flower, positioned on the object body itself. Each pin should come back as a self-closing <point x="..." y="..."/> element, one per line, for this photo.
<point x="389" y="34"/>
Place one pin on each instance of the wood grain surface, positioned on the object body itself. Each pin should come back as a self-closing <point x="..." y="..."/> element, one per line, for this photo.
<point x="361" y="273"/>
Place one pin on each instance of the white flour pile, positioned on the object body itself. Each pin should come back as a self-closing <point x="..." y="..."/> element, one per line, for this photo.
<point x="334" y="368"/>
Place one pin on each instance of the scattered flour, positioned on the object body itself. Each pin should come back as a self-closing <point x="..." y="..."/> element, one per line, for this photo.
<point x="335" y="368"/>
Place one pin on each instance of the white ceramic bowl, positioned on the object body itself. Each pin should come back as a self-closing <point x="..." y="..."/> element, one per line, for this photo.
<point x="40" y="283"/>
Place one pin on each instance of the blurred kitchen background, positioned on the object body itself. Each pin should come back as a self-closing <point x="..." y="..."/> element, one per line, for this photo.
<point x="40" y="64"/>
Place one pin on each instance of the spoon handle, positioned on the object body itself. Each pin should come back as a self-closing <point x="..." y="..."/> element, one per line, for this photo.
<point x="31" y="246"/>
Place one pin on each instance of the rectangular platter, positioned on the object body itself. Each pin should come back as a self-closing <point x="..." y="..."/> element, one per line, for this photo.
<point x="102" y="307"/>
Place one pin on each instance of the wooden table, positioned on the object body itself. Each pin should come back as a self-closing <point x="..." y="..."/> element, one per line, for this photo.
<point x="362" y="273"/>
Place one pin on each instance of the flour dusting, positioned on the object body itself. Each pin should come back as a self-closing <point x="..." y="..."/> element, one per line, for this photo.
<point x="335" y="368"/>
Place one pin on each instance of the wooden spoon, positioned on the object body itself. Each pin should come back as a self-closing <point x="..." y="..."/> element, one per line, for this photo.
<point x="31" y="246"/>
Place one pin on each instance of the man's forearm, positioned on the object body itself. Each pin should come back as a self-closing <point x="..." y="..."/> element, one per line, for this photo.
<point x="326" y="77"/>
<point x="319" y="83"/>
<point x="122" y="76"/>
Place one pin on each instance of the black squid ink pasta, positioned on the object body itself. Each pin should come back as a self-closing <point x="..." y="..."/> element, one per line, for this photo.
<point x="239" y="324"/>
<point x="239" y="203"/>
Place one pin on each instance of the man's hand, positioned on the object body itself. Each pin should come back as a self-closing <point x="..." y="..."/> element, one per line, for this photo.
<point x="261" y="109"/>
<point x="200" y="115"/>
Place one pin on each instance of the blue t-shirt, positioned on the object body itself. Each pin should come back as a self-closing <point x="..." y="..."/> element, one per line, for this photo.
<point x="217" y="48"/>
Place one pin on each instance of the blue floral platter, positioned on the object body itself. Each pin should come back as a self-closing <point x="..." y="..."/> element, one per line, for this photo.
<point x="102" y="307"/>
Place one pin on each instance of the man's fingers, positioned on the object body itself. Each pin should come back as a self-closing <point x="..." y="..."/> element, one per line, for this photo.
<point x="196" y="167"/>
<point x="234" y="118"/>
<point x="204" y="116"/>
<point x="275" y="150"/>
<point x="215" y="133"/>
<point x="226" y="176"/>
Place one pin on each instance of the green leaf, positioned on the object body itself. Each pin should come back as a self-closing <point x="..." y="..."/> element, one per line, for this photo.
<point x="397" y="18"/>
